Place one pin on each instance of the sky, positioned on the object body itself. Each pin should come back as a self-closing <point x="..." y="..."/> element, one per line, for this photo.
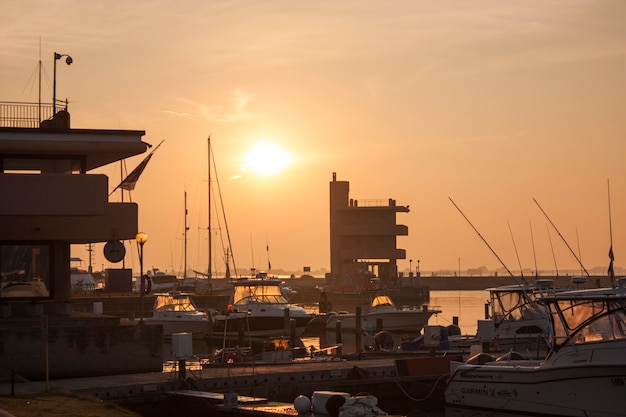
<point x="490" y="104"/>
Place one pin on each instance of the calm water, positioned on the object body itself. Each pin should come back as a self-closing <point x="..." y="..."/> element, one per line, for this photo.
<point x="468" y="306"/>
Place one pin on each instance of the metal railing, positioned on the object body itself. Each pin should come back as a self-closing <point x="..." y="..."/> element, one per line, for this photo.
<point x="25" y="115"/>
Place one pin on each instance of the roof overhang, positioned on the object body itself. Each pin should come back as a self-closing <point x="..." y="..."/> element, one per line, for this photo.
<point x="98" y="147"/>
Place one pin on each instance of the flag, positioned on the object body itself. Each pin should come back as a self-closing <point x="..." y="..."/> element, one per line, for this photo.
<point x="131" y="179"/>
<point x="611" y="271"/>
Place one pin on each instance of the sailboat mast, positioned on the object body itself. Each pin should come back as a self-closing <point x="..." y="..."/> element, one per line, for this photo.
<point x="210" y="266"/>
<point x="185" y="239"/>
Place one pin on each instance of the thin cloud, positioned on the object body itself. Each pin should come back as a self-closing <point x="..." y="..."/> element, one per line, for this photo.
<point x="184" y="114"/>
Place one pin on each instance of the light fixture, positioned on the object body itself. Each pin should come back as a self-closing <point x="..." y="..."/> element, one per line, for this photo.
<point x="68" y="61"/>
<point x="141" y="238"/>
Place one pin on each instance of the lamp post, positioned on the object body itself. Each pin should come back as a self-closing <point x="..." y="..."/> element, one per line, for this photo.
<point x="141" y="238"/>
<point x="68" y="61"/>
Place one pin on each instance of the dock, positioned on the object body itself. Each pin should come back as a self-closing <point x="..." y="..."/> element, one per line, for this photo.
<point x="399" y="384"/>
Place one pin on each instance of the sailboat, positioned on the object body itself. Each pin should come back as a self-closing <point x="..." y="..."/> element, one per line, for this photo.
<point x="204" y="282"/>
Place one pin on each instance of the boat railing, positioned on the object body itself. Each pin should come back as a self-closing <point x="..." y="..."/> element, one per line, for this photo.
<point x="25" y="115"/>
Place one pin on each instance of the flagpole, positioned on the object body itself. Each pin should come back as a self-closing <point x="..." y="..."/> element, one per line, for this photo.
<point x="267" y="248"/>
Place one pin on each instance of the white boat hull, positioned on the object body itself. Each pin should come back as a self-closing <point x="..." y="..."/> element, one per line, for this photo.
<point x="581" y="383"/>
<point x="410" y="321"/>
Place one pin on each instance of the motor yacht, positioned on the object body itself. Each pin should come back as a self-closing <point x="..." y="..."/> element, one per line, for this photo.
<point x="584" y="373"/>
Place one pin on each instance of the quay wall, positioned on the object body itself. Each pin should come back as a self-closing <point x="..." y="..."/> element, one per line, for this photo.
<point x="63" y="347"/>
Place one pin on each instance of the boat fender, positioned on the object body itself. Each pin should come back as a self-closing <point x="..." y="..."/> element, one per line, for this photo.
<point x="148" y="286"/>
<point x="328" y="402"/>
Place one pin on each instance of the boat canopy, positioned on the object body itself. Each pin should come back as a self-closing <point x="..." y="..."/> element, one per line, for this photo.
<point x="258" y="292"/>
<point x="381" y="300"/>
<point x="513" y="303"/>
<point x="580" y="317"/>
<point x="174" y="301"/>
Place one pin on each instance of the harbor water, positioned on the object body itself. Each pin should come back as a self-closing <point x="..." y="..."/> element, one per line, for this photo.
<point x="467" y="305"/>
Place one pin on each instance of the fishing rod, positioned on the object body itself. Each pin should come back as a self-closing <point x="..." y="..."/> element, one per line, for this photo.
<point x="483" y="239"/>
<point x="521" y="270"/>
<point x="562" y="238"/>
<point x="552" y="249"/>
<point x="532" y="240"/>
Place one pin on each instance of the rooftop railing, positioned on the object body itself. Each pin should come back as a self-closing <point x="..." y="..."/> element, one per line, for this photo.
<point x="25" y="115"/>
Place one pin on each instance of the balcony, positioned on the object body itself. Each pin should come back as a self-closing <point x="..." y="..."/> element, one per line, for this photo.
<point x="25" y="115"/>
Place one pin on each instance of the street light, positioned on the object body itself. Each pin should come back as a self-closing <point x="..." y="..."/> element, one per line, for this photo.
<point x="68" y="61"/>
<point x="141" y="238"/>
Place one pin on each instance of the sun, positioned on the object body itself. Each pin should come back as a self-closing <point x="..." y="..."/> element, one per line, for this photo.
<point x="266" y="159"/>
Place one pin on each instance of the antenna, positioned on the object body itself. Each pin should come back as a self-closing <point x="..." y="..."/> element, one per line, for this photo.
<point x="552" y="249"/>
<point x="562" y="238"/>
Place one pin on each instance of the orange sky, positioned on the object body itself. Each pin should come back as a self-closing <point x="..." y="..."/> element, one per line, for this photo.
<point x="490" y="103"/>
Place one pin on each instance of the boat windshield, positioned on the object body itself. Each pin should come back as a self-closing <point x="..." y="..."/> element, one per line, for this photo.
<point x="514" y="305"/>
<point x="381" y="300"/>
<point x="588" y="320"/>
<point x="258" y="293"/>
<point x="174" y="303"/>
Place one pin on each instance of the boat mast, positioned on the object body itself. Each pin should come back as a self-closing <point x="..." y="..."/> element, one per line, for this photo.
<point x="185" y="239"/>
<point x="210" y="266"/>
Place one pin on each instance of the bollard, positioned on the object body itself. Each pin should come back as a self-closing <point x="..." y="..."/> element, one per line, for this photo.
<point x="182" y="369"/>
<point x="357" y="331"/>
<point x="338" y="337"/>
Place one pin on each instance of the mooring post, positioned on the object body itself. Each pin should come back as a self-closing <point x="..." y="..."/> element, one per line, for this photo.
<point x="338" y="339"/>
<point x="357" y="331"/>
<point x="182" y="369"/>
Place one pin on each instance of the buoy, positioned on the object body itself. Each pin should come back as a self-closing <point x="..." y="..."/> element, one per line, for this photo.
<point x="302" y="404"/>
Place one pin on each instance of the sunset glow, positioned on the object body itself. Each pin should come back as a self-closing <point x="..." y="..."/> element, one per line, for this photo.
<point x="266" y="159"/>
<point x="489" y="103"/>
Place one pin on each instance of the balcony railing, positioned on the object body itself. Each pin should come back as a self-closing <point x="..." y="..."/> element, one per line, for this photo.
<point x="25" y="115"/>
